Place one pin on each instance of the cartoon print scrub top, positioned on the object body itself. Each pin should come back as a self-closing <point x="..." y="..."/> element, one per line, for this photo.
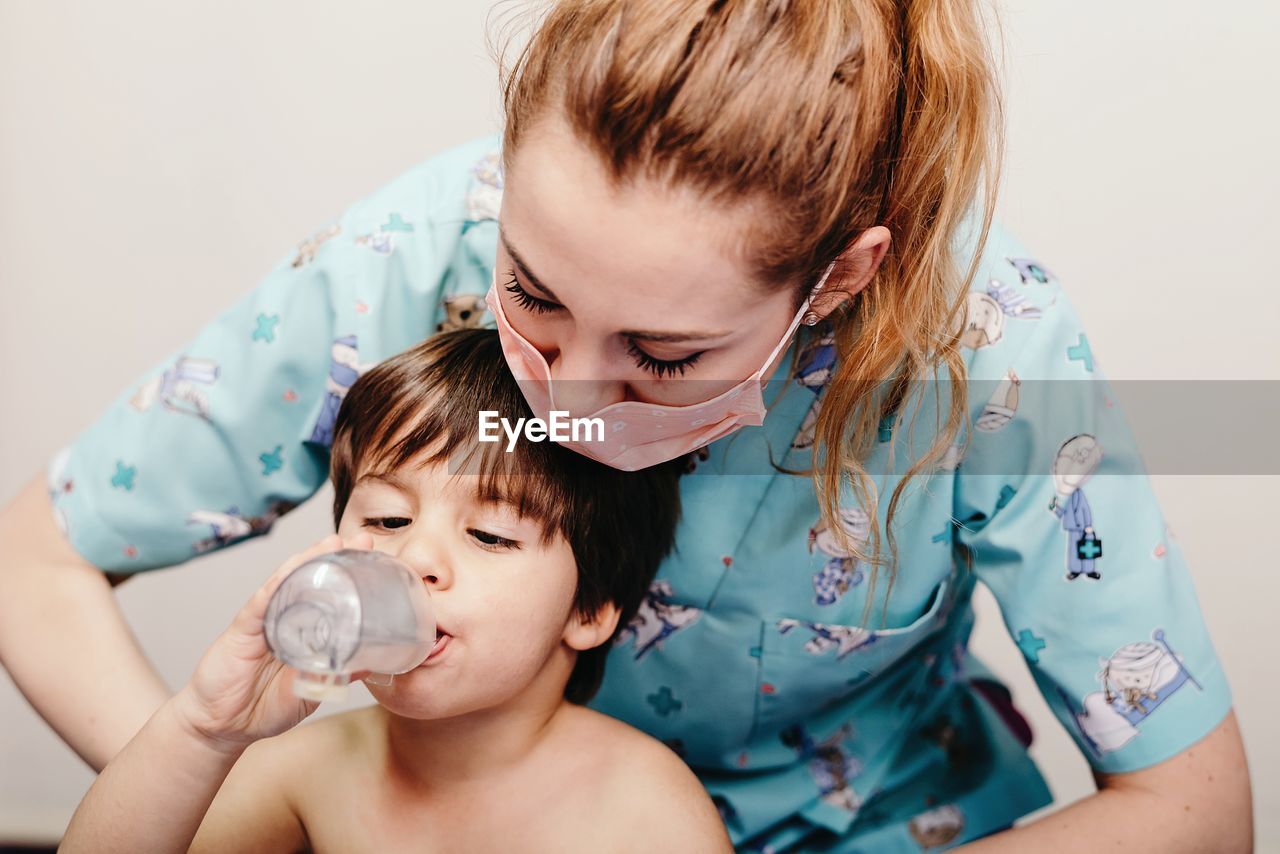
<point x="812" y="728"/>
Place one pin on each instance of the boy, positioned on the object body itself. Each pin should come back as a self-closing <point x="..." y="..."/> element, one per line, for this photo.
<point x="533" y="558"/>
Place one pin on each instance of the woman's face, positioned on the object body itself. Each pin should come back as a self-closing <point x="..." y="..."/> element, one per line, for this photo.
<point x="631" y="294"/>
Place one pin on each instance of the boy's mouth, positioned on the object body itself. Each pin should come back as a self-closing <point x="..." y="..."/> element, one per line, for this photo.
<point x="442" y="643"/>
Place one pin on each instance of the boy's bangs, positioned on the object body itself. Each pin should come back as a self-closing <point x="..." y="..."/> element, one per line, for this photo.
<point x="527" y="479"/>
<point x="535" y="492"/>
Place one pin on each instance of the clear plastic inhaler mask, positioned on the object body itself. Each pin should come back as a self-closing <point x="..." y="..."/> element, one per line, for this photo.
<point x="348" y="611"/>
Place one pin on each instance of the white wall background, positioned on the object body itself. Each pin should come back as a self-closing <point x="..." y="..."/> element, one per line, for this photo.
<point x="156" y="158"/>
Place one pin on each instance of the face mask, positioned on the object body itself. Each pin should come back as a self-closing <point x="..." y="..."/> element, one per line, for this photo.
<point x="638" y="435"/>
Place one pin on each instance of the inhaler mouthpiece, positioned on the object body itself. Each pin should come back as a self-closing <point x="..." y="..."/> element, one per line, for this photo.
<point x="348" y="611"/>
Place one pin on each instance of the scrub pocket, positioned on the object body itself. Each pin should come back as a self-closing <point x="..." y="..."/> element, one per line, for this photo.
<point x="807" y="666"/>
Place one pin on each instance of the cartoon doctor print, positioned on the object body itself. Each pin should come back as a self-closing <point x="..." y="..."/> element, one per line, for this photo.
<point x="180" y="388"/>
<point x="830" y="765"/>
<point x="1076" y="462"/>
<point x="937" y="826"/>
<point x="984" y="322"/>
<point x="1011" y="302"/>
<point x="656" y="620"/>
<point x="229" y="526"/>
<point x="842" y="569"/>
<point x="1002" y="405"/>
<point x="843" y="639"/>
<point x="1135" y="680"/>
<point x="344" y="370"/>
<point x="816" y="363"/>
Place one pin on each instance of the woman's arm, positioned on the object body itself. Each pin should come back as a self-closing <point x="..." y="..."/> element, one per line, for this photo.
<point x="1197" y="801"/>
<point x="63" y="638"/>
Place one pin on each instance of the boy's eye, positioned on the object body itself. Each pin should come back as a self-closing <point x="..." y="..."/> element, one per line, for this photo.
<point x="386" y="522"/>
<point x="492" y="541"/>
<point x="527" y="300"/>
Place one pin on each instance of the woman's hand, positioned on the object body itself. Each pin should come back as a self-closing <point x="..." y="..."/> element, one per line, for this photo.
<point x="240" y="692"/>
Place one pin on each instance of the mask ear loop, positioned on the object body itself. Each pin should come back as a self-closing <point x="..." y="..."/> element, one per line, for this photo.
<point x="811" y="318"/>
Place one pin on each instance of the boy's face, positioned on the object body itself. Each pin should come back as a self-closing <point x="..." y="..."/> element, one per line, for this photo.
<point x="503" y="600"/>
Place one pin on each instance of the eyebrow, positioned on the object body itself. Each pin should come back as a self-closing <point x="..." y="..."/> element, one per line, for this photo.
<point x="390" y="478"/>
<point x="636" y="334"/>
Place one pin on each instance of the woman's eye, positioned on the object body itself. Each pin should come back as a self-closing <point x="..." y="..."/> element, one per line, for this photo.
<point x="659" y="367"/>
<point x="527" y="300"/>
<point x="386" y="523"/>
<point x="492" y="541"/>
<point x="662" y="367"/>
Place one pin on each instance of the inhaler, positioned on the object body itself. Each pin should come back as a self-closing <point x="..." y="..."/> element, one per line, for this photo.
<point x="347" y="611"/>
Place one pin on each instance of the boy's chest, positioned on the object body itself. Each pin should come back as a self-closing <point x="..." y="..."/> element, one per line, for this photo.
<point x="376" y="816"/>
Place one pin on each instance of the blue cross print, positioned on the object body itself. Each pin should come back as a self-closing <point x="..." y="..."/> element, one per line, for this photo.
<point x="123" y="478"/>
<point x="664" y="702"/>
<point x="273" y="461"/>
<point x="266" y="331"/>
<point x="1030" y="645"/>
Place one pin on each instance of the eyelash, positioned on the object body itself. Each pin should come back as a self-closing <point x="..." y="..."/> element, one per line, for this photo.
<point x="500" y="542"/>
<point x="380" y="523"/>
<point x="662" y="367"/>
<point x="659" y="367"/>
<point x="527" y="300"/>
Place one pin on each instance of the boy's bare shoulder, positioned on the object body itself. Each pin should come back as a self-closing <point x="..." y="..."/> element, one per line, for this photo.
<point x="324" y="738"/>
<point x="264" y="802"/>
<point x="647" y="791"/>
<point x="316" y="751"/>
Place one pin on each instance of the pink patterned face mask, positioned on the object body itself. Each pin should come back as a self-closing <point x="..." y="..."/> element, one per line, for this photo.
<point x="636" y="434"/>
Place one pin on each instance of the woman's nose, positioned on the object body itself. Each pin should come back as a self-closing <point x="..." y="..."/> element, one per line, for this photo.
<point x="581" y="381"/>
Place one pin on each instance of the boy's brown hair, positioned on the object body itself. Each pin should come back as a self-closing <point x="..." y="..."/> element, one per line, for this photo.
<point x="423" y="405"/>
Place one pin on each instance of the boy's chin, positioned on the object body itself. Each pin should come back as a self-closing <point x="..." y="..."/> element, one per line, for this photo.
<point x="409" y="696"/>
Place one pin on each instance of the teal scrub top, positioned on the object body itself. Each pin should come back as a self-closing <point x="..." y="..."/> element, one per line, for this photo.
<point x="813" y="727"/>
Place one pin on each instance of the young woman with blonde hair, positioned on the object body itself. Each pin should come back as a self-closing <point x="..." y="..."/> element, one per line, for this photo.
<point x="756" y="232"/>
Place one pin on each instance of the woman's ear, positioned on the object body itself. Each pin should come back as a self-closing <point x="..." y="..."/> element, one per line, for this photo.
<point x="853" y="271"/>
<point x="583" y="634"/>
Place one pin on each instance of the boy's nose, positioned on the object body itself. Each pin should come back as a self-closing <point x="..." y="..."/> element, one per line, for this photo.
<point x="426" y="557"/>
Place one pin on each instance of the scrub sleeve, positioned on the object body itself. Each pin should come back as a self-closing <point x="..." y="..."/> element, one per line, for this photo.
<point x="233" y="430"/>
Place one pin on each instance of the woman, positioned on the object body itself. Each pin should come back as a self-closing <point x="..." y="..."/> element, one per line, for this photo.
<point x="680" y="186"/>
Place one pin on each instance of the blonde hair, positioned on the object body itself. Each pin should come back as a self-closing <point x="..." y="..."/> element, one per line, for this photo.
<point x="833" y="116"/>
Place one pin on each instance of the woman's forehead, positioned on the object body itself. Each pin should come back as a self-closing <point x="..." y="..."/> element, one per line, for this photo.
<point x="567" y="219"/>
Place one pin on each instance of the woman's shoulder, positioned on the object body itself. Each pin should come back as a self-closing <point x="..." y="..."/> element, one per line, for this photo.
<point x="459" y="183"/>
<point x="1019" y="321"/>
